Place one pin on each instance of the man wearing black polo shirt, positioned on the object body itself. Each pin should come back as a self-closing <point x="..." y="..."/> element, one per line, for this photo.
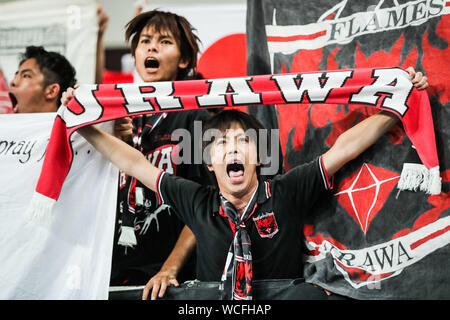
<point x="272" y="211"/>
<point x="246" y="228"/>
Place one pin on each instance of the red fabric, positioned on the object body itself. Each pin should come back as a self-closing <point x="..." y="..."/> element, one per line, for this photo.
<point x="5" y="101"/>
<point x="110" y="76"/>
<point x="94" y="104"/>
<point x="57" y="161"/>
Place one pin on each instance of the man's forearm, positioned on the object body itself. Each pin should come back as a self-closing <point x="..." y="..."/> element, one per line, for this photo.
<point x="181" y="252"/>
<point x="357" y="139"/>
<point x="125" y="157"/>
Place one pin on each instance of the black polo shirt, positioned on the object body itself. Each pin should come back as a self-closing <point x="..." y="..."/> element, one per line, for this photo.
<point x="275" y="228"/>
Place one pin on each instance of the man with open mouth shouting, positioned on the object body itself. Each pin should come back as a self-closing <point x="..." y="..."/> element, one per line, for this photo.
<point x="39" y="82"/>
<point x="153" y="242"/>
<point x="247" y="228"/>
<point x="43" y="76"/>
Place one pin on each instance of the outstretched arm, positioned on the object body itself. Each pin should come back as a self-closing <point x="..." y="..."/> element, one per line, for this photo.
<point x="125" y="157"/>
<point x="172" y="266"/>
<point x="357" y="139"/>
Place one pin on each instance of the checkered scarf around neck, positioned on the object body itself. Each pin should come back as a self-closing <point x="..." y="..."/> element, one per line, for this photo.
<point x="238" y="272"/>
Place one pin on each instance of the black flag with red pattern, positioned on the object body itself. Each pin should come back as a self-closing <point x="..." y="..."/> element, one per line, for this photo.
<point x="367" y="240"/>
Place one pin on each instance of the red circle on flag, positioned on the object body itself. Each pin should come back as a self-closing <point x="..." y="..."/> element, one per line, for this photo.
<point x="227" y="57"/>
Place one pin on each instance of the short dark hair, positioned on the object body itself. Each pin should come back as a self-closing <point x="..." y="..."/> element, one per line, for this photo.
<point x="54" y="66"/>
<point x="225" y="119"/>
<point x="180" y="28"/>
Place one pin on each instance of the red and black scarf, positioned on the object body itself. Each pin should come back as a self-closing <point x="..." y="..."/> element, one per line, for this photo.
<point x="382" y="88"/>
<point x="237" y="275"/>
<point x="143" y="126"/>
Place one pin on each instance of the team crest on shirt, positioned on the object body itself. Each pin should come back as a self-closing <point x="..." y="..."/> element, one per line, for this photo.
<point x="266" y="224"/>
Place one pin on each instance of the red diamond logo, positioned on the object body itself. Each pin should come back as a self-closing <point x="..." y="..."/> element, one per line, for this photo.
<point x="364" y="193"/>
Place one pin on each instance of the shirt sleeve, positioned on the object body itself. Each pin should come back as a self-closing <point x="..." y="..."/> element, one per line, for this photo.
<point x="181" y="194"/>
<point x="304" y="184"/>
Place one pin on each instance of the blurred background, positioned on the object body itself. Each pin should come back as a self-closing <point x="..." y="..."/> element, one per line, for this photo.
<point x="217" y="23"/>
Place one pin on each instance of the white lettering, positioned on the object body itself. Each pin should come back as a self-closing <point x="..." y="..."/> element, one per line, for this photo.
<point x="190" y="310"/>
<point x="139" y="98"/>
<point x="239" y="89"/>
<point x="385" y="260"/>
<point x="92" y="109"/>
<point x="161" y="158"/>
<point x="343" y="28"/>
<point x="246" y="309"/>
<point x="165" y="163"/>
<point x="315" y="86"/>
<point x="388" y="81"/>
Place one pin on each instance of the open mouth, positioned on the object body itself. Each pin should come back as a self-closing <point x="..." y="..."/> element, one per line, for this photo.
<point x="151" y="63"/>
<point x="13" y="100"/>
<point x="235" y="170"/>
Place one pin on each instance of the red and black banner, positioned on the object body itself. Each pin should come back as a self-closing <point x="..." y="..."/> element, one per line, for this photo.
<point x="367" y="240"/>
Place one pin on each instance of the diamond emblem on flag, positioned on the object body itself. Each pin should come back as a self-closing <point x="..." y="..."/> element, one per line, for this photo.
<point x="364" y="193"/>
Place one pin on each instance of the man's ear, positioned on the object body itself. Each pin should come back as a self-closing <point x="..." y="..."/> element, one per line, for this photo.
<point x="210" y="167"/>
<point x="183" y="63"/>
<point x="51" y="92"/>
